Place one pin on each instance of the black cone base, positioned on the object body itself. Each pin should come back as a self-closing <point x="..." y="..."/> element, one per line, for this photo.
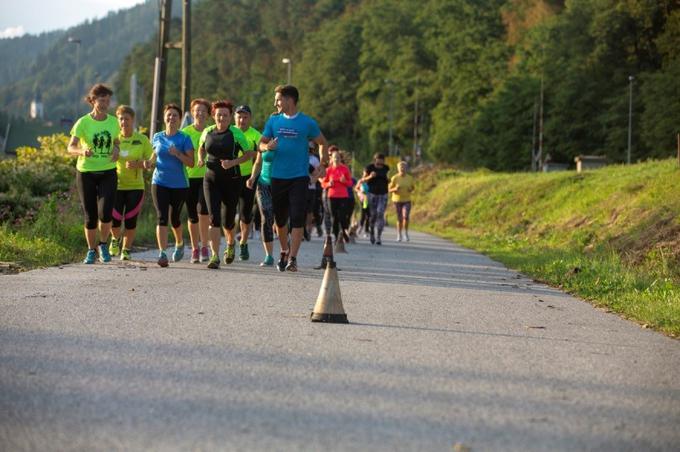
<point x="329" y="318"/>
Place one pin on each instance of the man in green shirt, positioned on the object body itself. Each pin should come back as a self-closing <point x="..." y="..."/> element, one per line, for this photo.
<point x="243" y="118"/>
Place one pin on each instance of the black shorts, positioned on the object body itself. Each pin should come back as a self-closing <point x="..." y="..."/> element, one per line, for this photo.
<point x="289" y="197"/>
<point x="97" y="191"/>
<point x="196" y="204"/>
<point x="246" y="201"/>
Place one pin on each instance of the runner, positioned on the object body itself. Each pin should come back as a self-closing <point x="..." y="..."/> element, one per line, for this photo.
<point x="261" y="176"/>
<point x="173" y="150"/>
<point x="135" y="149"/>
<point x="219" y="150"/>
<point x="94" y="139"/>
<point x="288" y="134"/>
<point x="351" y="201"/>
<point x="197" y="208"/>
<point x="361" y="189"/>
<point x="313" y="198"/>
<point x="336" y="182"/>
<point x="401" y="186"/>
<point x="243" y="118"/>
<point x="375" y="175"/>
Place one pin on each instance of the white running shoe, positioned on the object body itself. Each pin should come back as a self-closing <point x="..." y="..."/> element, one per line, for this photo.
<point x="407" y="237"/>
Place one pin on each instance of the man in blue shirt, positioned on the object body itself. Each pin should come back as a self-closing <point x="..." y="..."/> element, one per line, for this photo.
<point x="288" y="134"/>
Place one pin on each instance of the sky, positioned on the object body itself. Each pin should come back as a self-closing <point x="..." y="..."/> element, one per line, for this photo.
<point x="36" y="16"/>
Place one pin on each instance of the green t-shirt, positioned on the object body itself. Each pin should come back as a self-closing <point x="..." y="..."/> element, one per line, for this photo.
<point x="238" y="136"/>
<point x="253" y="137"/>
<point x="196" y="172"/>
<point x="135" y="147"/>
<point x="98" y="136"/>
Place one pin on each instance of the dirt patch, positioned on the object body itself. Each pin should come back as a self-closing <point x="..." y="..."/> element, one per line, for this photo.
<point x="662" y="234"/>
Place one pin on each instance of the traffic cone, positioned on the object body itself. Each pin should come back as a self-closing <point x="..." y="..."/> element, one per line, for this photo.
<point x="340" y="244"/>
<point x="328" y="306"/>
<point x="327" y="253"/>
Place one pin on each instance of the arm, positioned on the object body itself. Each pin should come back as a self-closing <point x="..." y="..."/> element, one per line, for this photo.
<point x="75" y="148"/>
<point x="115" y="150"/>
<point x="255" y="173"/>
<point x="323" y="149"/>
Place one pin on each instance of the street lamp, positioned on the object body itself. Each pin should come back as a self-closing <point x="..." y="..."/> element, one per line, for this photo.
<point x="630" y="115"/>
<point x="289" y="63"/>
<point x="76" y="41"/>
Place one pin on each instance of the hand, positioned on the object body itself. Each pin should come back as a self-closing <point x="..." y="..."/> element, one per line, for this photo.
<point x="250" y="183"/>
<point x="130" y="164"/>
<point x="273" y="144"/>
<point x="87" y="153"/>
<point x="172" y="150"/>
<point x="226" y="164"/>
<point x="148" y="164"/>
<point x="342" y="178"/>
<point x="373" y="174"/>
<point x="200" y="162"/>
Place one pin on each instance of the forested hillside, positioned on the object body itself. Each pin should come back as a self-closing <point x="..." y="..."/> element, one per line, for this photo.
<point x="48" y="62"/>
<point x="474" y="67"/>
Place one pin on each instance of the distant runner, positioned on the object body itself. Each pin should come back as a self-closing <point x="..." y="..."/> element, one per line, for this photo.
<point x="401" y="187"/>
<point x="135" y="149"/>
<point x="94" y="139"/>
<point x="375" y="175"/>
<point x="243" y="118"/>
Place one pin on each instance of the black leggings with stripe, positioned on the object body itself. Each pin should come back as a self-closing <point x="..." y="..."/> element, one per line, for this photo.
<point x="97" y="191"/>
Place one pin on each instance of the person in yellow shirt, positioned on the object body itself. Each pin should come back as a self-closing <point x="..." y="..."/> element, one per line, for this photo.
<point x="135" y="148"/>
<point x="401" y="187"/>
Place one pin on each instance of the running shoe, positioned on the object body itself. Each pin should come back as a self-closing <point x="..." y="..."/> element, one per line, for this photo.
<point x="205" y="254"/>
<point x="268" y="261"/>
<point x="214" y="263"/>
<point x="372" y="239"/>
<point x="229" y="253"/>
<point x="104" y="255"/>
<point x="283" y="261"/>
<point x="399" y="238"/>
<point x="305" y="234"/>
<point x="195" y="256"/>
<point x="243" y="254"/>
<point x="292" y="264"/>
<point x="90" y="257"/>
<point x="162" y="259"/>
<point x="407" y="237"/>
<point x="125" y="255"/>
<point x="378" y="242"/>
<point x="178" y="252"/>
<point x="114" y="247"/>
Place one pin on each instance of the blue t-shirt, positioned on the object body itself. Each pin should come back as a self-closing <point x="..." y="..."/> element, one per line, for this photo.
<point x="266" y="170"/>
<point x="293" y="133"/>
<point x="170" y="172"/>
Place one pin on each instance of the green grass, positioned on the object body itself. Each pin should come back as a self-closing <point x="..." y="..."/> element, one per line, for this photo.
<point x="610" y="236"/>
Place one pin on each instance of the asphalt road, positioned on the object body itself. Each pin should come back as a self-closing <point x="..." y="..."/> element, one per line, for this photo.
<point x="445" y="347"/>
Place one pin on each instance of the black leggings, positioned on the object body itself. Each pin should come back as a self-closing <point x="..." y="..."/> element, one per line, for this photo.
<point x="335" y="216"/>
<point x="246" y="201"/>
<point x="168" y="202"/>
<point x="97" y="191"/>
<point x="221" y="195"/>
<point x="289" y="198"/>
<point x="127" y="206"/>
<point x="196" y="204"/>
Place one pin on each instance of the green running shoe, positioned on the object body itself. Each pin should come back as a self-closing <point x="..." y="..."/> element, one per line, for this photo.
<point x="214" y="263"/>
<point x="230" y="253"/>
<point x="243" y="254"/>
<point x="163" y="259"/>
<point x="125" y="255"/>
<point x="114" y="247"/>
<point x="268" y="261"/>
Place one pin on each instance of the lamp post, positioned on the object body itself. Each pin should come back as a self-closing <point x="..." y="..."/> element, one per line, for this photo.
<point x="290" y="64"/>
<point x="630" y="115"/>
<point x="76" y="41"/>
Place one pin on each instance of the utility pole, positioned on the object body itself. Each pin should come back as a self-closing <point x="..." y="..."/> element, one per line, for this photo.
<point x="415" y="127"/>
<point x="539" y="157"/>
<point x="186" y="55"/>
<point x="630" y="116"/>
<point x="160" y="66"/>
<point x="533" y="140"/>
<point x="390" y="116"/>
<point x="78" y="43"/>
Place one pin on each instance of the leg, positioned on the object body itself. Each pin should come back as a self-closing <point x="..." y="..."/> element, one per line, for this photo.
<point x="87" y="190"/>
<point x="195" y="188"/>
<point x="297" y="199"/>
<point x="106" y="194"/>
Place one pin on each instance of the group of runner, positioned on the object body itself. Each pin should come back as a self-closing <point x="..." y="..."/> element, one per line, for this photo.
<point x="214" y="170"/>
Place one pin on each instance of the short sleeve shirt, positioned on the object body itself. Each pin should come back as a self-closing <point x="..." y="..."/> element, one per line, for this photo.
<point x="253" y="137"/>
<point x="134" y="147"/>
<point x="170" y="172"/>
<point x="97" y="136"/>
<point x="378" y="184"/>
<point x="404" y="185"/>
<point x="293" y="133"/>
<point x="196" y="172"/>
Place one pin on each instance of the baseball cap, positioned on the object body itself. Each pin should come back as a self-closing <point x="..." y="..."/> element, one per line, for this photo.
<point x="243" y="108"/>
